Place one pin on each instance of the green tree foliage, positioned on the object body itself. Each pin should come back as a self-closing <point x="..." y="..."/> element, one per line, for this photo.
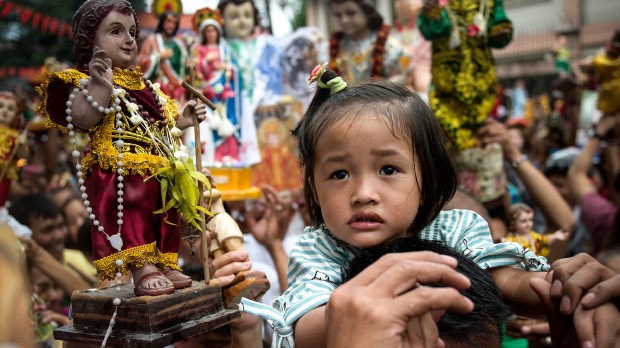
<point x="23" y="45"/>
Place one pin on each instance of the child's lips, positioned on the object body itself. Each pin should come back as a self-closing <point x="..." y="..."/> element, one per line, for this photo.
<point x="365" y="220"/>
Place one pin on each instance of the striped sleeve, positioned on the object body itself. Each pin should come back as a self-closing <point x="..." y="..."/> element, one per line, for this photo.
<point x="469" y="233"/>
<point x="316" y="267"/>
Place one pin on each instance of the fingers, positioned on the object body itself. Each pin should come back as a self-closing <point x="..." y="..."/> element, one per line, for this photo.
<point x="597" y="327"/>
<point x="422" y="331"/>
<point x="603" y="292"/>
<point x="572" y="277"/>
<point x="536" y="329"/>
<point x="557" y="322"/>
<point x="227" y="265"/>
<point x="425" y="299"/>
<point x="385" y="262"/>
<point x="404" y="275"/>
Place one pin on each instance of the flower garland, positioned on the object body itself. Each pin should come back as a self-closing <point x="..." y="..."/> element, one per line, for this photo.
<point x="376" y="57"/>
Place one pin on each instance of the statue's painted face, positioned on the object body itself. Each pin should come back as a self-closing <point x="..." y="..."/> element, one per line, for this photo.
<point x="116" y="36"/>
<point x="8" y="109"/>
<point x="239" y="20"/>
<point x="350" y="18"/>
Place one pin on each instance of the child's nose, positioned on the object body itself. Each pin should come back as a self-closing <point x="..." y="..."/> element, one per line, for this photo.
<point x="365" y="192"/>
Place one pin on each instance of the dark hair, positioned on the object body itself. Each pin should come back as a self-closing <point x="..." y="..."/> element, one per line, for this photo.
<point x="407" y="115"/>
<point x="162" y="19"/>
<point x="87" y="19"/>
<point x="375" y="20"/>
<point x="474" y="328"/>
<point x="33" y="205"/>
<point x="221" y="6"/>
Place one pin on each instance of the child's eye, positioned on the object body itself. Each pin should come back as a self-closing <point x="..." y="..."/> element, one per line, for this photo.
<point x="388" y="170"/>
<point x="339" y="175"/>
<point x="115" y="31"/>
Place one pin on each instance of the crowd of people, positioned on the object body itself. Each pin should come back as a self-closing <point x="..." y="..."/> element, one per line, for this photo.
<point x="435" y="208"/>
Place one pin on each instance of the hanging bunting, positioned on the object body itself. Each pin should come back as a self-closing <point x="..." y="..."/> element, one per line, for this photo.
<point x="53" y="26"/>
<point x="36" y="19"/>
<point x="26" y="14"/>
<point x="7" y="9"/>
<point x="45" y="23"/>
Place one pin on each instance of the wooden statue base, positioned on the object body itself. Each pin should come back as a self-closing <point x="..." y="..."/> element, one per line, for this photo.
<point x="145" y="321"/>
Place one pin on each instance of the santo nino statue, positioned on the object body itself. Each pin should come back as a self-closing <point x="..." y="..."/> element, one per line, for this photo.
<point x="134" y="131"/>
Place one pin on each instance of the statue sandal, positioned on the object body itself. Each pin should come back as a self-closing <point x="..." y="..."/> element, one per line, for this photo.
<point x="139" y="290"/>
<point x="178" y="279"/>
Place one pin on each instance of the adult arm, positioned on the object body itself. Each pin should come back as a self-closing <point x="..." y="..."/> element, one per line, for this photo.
<point x="52" y="268"/>
<point x="516" y="291"/>
<point x="554" y="207"/>
<point x="578" y="179"/>
<point x="269" y="230"/>
<point x="247" y="330"/>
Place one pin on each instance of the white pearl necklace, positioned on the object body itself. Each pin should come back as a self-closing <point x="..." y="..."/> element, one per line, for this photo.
<point x="115" y="240"/>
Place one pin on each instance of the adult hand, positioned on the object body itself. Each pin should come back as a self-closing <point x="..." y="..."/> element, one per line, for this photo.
<point x="31" y="248"/>
<point x="384" y="306"/>
<point x="596" y="327"/>
<point x="572" y="277"/>
<point x="224" y="269"/>
<point x="267" y="227"/>
<point x="51" y="316"/>
<point x="100" y="68"/>
<point x="226" y="266"/>
<point x="192" y="109"/>
<point x="496" y="132"/>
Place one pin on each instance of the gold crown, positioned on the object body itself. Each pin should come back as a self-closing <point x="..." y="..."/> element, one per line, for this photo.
<point x="204" y="14"/>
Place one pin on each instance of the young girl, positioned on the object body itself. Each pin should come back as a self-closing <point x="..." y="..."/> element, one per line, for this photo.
<point x="134" y="130"/>
<point x="521" y="222"/>
<point x="376" y="168"/>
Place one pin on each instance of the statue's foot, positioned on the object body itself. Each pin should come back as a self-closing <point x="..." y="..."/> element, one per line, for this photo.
<point x="178" y="279"/>
<point x="153" y="284"/>
<point x="249" y="284"/>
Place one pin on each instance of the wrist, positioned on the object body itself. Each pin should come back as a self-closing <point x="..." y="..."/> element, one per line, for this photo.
<point x="593" y="133"/>
<point x="517" y="162"/>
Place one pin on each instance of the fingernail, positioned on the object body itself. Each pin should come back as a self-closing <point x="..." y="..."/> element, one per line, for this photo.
<point x="588" y="298"/>
<point x="247" y="264"/>
<point x="556" y="288"/>
<point x="549" y="276"/>
<point x="526" y="330"/>
<point x="565" y="304"/>
<point x="587" y="344"/>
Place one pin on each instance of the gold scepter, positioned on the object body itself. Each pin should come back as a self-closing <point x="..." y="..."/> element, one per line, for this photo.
<point x="204" y="246"/>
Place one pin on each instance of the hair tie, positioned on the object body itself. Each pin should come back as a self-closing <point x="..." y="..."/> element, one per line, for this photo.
<point x="335" y="85"/>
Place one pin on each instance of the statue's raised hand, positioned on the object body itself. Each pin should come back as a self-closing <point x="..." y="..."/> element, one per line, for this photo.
<point x="100" y="67"/>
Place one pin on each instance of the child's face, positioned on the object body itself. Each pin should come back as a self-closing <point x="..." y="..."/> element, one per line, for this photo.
<point x="365" y="181"/>
<point x="350" y="18"/>
<point x="116" y="37"/>
<point x="43" y="286"/>
<point x="239" y="20"/>
<point x="524" y="222"/>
